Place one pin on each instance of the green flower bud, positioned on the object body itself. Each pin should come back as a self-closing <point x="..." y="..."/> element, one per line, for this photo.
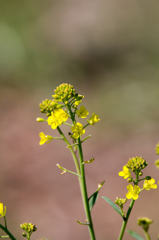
<point x="140" y="174"/>
<point x="24" y="234"/>
<point x="40" y="119"/>
<point x="64" y="92"/>
<point x="144" y="222"/>
<point x="129" y="180"/>
<point x="47" y="106"/>
<point x="78" y="97"/>
<point x="120" y="201"/>
<point x="28" y="227"/>
<point x="147" y="178"/>
<point x="136" y="164"/>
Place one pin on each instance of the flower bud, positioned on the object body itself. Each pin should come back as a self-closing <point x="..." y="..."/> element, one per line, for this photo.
<point x="40" y="119"/>
<point x="129" y="179"/>
<point x="147" y="178"/>
<point x="144" y="222"/>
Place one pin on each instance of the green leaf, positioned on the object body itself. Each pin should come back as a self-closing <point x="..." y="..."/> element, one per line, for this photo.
<point x="92" y="199"/>
<point x="113" y="205"/>
<point x="135" y="235"/>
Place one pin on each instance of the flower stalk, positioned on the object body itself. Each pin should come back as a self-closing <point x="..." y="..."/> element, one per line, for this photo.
<point x="84" y="193"/>
<point x="125" y="220"/>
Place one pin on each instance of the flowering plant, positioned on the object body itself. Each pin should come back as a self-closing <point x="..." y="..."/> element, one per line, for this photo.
<point x="64" y="109"/>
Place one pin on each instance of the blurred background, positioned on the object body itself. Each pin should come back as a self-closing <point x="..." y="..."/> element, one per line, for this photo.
<point x="109" y="51"/>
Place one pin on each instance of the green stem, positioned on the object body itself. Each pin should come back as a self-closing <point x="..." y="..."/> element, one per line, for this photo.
<point x="126" y="220"/>
<point x="28" y="236"/>
<point x="84" y="193"/>
<point x="147" y="236"/>
<point x="7" y="232"/>
<point x="64" y="170"/>
<point x="72" y="152"/>
<point x="5" y="222"/>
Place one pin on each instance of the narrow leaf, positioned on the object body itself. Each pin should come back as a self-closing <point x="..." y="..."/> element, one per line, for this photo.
<point x="113" y="205"/>
<point x="92" y="199"/>
<point x="135" y="235"/>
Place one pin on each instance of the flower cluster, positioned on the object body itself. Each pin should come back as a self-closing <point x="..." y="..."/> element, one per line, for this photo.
<point x="120" y="201"/>
<point x="64" y="106"/>
<point x="144" y="222"/>
<point x="48" y="106"/>
<point x="136" y="164"/>
<point x="29" y="228"/>
<point x="64" y="92"/>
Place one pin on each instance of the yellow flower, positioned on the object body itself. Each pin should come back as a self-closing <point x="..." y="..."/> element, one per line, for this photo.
<point x="133" y="192"/>
<point x="57" y="117"/>
<point x="149" y="184"/>
<point x="2" y="211"/>
<point x="77" y="130"/>
<point x="76" y="103"/>
<point x="53" y="121"/>
<point x="125" y="173"/>
<point x="82" y="112"/>
<point x="44" y="138"/>
<point x="94" y="119"/>
<point x="61" y="115"/>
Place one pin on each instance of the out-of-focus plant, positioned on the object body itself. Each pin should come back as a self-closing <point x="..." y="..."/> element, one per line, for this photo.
<point x="134" y="166"/>
<point x="30" y="229"/>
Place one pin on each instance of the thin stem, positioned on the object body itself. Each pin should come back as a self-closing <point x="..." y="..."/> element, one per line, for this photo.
<point x="71" y="149"/>
<point x="7" y="232"/>
<point x="5" y="222"/>
<point x="84" y="193"/>
<point x="126" y="220"/>
<point x="86" y="125"/>
<point x="147" y="236"/>
<point x="68" y="124"/>
<point x="28" y="237"/>
<point x="64" y="170"/>
<point x="74" y="158"/>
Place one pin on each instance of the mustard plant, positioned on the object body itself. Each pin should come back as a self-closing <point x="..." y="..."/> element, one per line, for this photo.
<point x="134" y="167"/>
<point x="32" y="228"/>
<point x="63" y="107"/>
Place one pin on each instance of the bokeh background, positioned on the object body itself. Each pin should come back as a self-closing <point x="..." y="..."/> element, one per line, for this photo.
<point x="109" y="51"/>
